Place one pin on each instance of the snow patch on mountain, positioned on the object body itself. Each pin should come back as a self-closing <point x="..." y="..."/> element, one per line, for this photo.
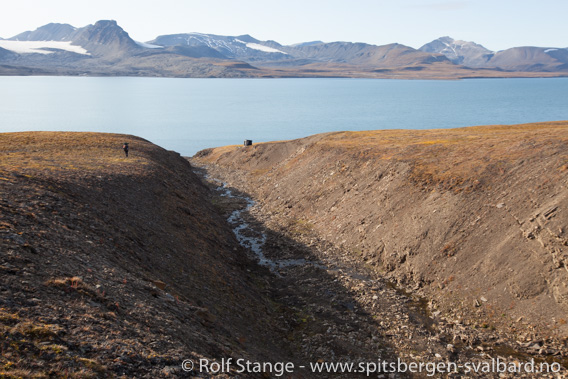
<point x="148" y="45"/>
<point x="39" y="47"/>
<point x="266" y="49"/>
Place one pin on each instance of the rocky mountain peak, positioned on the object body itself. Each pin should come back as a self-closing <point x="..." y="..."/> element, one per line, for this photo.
<point x="107" y="38"/>
<point x="446" y="39"/>
<point x="107" y="32"/>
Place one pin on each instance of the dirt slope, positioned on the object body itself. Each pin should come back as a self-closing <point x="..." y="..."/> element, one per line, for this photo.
<point x="114" y="266"/>
<point x="474" y="219"/>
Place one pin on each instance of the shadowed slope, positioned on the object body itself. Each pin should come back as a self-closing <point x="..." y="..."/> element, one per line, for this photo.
<point x="116" y="266"/>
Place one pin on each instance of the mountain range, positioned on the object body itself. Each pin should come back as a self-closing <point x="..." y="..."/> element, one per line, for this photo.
<point x="106" y="49"/>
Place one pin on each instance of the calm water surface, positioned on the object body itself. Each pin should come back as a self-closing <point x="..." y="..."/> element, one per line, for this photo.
<point x="187" y="115"/>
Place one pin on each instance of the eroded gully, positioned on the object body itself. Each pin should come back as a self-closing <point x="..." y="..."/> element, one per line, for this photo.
<point x="336" y="310"/>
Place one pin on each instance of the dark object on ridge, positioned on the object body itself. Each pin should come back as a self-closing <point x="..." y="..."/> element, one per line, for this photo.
<point x="125" y="148"/>
<point x="248" y="142"/>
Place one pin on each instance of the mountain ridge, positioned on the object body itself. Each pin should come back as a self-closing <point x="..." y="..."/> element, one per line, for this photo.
<point x="104" y="48"/>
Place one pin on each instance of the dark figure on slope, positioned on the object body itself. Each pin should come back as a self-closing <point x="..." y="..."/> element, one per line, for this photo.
<point x="125" y="148"/>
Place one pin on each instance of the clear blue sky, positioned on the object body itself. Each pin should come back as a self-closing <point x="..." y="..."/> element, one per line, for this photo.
<point x="496" y="24"/>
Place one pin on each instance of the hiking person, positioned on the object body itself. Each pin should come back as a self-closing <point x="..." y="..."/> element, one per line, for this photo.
<point x="125" y="148"/>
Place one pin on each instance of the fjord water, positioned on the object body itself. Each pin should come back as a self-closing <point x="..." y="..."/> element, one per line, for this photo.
<point x="187" y="115"/>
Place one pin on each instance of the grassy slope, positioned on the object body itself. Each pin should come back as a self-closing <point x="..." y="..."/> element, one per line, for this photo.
<point x="458" y="215"/>
<point x="116" y="266"/>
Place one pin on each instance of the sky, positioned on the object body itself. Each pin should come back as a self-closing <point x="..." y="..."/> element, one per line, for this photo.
<point x="496" y="24"/>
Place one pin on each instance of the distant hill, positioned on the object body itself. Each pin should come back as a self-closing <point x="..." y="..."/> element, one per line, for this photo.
<point x="106" y="49"/>
<point x="49" y="32"/>
<point x="242" y="47"/>
<point x="531" y="59"/>
<point x="459" y="52"/>
<point x="363" y="54"/>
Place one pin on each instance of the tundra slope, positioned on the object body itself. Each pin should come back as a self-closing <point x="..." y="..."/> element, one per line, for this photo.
<point x="474" y="219"/>
<point x="114" y="266"/>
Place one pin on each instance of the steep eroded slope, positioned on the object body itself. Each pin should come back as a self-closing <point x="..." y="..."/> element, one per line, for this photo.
<point x="115" y="266"/>
<point x="474" y="219"/>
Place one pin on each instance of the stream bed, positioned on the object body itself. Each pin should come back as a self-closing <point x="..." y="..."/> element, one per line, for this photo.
<point x="253" y="239"/>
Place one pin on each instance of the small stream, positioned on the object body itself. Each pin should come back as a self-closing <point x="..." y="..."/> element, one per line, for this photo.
<point x="253" y="239"/>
